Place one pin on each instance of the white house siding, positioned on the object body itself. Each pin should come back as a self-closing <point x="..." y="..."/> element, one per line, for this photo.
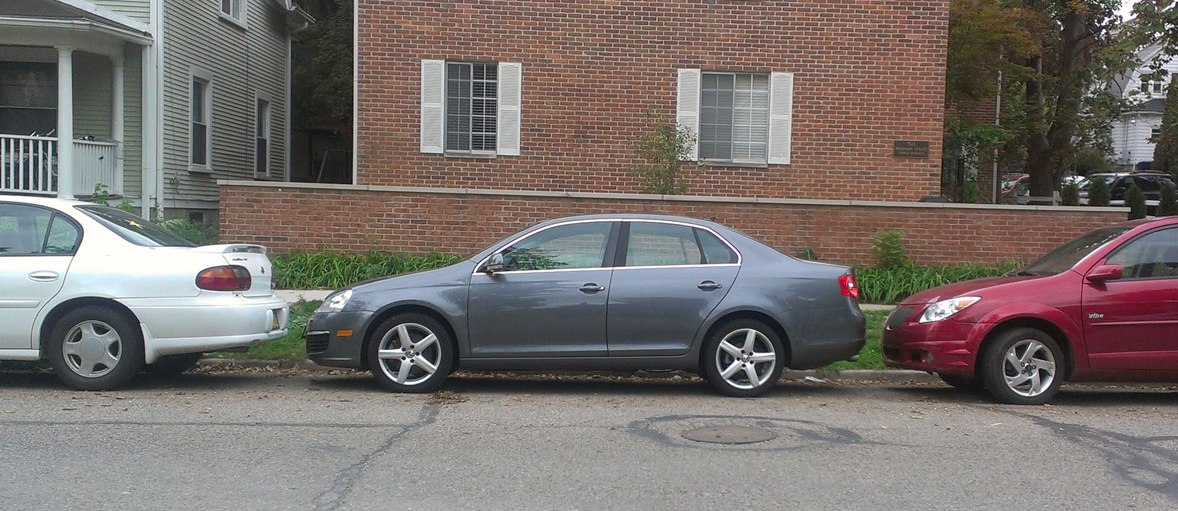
<point x="242" y="62"/>
<point x="133" y="121"/>
<point x="139" y="10"/>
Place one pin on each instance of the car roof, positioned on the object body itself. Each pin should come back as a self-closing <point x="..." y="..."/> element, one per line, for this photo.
<point x="633" y="216"/>
<point x="41" y="200"/>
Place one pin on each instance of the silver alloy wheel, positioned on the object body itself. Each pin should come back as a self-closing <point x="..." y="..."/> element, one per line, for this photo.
<point x="1029" y="368"/>
<point x="746" y="358"/>
<point x="92" y="349"/>
<point x="409" y="354"/>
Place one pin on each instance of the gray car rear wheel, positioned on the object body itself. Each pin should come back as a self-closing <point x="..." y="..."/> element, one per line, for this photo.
<point x="410" y="353"/>
<point x="743" y="358"/>
<point x="95" y="348"/>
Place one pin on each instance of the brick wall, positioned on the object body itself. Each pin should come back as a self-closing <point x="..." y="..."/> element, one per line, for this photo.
<point x="866" y="73"/>
<point x="296" y="217"/>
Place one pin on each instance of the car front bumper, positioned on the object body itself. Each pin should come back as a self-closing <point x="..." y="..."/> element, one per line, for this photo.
<point x="336" y="339"/>
<point x="944" y="347"/>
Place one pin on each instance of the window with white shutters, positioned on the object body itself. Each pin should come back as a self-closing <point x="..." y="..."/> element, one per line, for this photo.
<point x="741" y="118"/>
<point x="470" y="107"/>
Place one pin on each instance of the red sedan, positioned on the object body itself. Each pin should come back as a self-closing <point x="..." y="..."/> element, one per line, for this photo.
<point x="1102" y="307"/>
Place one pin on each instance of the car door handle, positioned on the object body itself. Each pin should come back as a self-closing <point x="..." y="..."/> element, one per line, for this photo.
<point x="592" y="288"/>
<point x="708" y="285"/>
<point x="44" y="276"/>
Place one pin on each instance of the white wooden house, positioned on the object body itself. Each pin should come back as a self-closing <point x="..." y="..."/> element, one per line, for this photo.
<point x="1134" y="133"/>
<point x="152" y="100"/>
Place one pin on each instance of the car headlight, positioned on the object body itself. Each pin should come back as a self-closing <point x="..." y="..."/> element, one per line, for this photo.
<point x="335" y="302"/>
<point x="946" y="308"/>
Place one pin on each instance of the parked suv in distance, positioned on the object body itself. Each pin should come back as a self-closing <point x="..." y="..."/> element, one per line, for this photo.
<point x="1150" y="183"/>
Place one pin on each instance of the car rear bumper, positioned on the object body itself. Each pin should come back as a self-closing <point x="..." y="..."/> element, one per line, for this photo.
<point x="173" y="326"/>
<point x="336" y="339"/>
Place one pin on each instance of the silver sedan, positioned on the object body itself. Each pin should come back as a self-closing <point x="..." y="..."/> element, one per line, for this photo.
<point x="602" y="292"/>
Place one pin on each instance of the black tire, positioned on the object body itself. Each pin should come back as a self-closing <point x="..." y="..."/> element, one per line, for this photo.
<point x="172" y="365"/>
<point x="735" y="348"/>
<point x="1039" y="372"/>
<point x="420" y="353"/>
<point x="967" y="383"/>
<point x="95" y="348"/>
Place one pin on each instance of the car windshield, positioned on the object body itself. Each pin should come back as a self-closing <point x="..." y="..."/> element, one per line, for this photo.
<point x="1070" y="253"/>
<point x="133" y="228"/>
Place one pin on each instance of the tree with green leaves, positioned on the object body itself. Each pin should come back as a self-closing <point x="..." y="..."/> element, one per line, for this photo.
<point x="1135" y="199"/>
<point x="1069" y="195"/>
<point x="663" y="149"/>
<point x="1168" y="205"/>
<point x="322" y="95"/>
<point x="1098" y="194"/>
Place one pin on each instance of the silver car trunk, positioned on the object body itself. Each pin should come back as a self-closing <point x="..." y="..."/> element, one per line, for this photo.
<point x="253" y="258"/>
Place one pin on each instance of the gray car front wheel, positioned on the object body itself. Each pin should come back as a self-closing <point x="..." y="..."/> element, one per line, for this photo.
<point x="410" y="353"/>
<point x="743" y="358"/>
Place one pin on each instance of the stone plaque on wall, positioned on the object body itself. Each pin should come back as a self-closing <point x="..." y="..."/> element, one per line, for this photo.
<point x="910" y="149"/>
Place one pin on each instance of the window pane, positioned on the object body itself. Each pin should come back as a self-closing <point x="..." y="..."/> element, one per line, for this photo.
<point x="200" y="144"/>
<point x="569" y="246"/>
<point x="22" y="229"/>
<point x="658" y="244"/>
<point x="715" y="126"/>
<point x="63" y="236"/>
<point x="715" y="251"/>
<point x="1154" y="255"/>
<point x="472" y="107"/>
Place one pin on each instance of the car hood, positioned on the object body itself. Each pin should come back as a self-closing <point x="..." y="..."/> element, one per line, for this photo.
<point x="457" y="273"/>
<point x="966" y="288"/>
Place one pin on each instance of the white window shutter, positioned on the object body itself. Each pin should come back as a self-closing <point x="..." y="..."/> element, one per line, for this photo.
<point x="510" y="105"/>
<point x="687" y="109"/>
<point x="433" y="99"/>
<point x="781" y="106"/>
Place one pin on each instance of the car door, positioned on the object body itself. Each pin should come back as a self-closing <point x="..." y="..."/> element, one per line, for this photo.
<point x="36" y="248"/>
<point x="1131" y="323"/>
<point x="669" y="278"/>
<point x="549" y="299"/>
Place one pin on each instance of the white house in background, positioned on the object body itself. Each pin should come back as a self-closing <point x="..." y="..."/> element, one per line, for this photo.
<point x="1134" y="132"/>
<point x="153" y="99"/>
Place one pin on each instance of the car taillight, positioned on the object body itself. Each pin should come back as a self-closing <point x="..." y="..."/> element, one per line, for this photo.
<point x="224" y="278"/>
<point x="849" y="286"/>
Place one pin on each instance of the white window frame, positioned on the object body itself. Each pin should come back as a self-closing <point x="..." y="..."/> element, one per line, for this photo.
<point x="236" y="13"/>
<point x="509" y="88"/>
<point x="779" y="125"/>
<point x="205" y="78"/>
<point x="267" y="128"/>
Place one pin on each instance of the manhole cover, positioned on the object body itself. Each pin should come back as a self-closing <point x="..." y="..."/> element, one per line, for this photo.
<point x="729" y="435"/>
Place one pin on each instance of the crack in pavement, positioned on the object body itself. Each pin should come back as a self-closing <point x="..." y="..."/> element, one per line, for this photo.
<point x="334" y="497"/>
<point x="1138" y="460"/>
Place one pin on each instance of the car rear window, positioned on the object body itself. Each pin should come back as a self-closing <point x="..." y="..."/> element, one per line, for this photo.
<point x="133" y="228"/>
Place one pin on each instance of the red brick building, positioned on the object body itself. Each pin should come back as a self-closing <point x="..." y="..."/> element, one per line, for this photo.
<point x="517" y="111"/>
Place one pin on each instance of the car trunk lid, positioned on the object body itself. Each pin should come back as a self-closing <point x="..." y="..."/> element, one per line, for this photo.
<point x="251" y="257"/>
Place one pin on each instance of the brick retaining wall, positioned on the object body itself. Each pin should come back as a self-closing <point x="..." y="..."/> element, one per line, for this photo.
<point x="305" y="217"/>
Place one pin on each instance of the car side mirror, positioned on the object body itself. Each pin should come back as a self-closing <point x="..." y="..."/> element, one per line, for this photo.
<point x="1105" y="272"/>
<point x="494" y="265"/>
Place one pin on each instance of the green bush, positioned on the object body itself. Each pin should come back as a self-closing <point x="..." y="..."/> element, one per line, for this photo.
<point x="890" y="285"/>
<point x="198" y="234"/>
<point x="1135" y="199"/>
<point x="1168" y="206"/>
<point x="331" y="270"/>
<point x="1070" y="194"/>
<point x="889" y="248"/>
<point x="1098" y="194"/>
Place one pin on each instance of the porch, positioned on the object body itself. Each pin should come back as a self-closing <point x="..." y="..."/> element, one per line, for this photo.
<point x="29" y="164"/>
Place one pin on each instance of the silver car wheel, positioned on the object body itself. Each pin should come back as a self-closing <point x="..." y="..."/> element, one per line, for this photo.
<point x="1029" y="368"/>
<point x="746" y="358"/>
<point x="92" y="349"/>
<point x="409" y="354"/>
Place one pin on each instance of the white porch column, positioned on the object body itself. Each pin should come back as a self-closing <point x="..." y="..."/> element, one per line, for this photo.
<point x="117" y="120"/>
<point x="65" y="122"/>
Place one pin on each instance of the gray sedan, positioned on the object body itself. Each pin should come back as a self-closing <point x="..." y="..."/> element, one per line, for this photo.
<point x="602" y="292"/>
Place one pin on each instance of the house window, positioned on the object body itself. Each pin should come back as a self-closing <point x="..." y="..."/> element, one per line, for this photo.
<point x="734" y="117"/>
<point x="201" y="115"/>
<point x="232" y="8"/>
<point x="1157" y="87"/>
<point x="262" y="138"/>
<point x="28" y="98"/>
<point x="470" y="108"/>
<point x="1155" y="134"/>
<point x="737" y="118"/>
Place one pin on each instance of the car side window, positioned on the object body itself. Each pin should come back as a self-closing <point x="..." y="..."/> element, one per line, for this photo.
<point x="23" y="229"/>
<point x="63" y="236"/>
<point x="580" y="245"/>
<point x="659" y="244"/>
<point x="1152" y="256"/>
<point x="715" y="251"/>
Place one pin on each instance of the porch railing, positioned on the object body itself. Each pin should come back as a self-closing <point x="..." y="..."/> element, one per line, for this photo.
<point x="28" y="164"/>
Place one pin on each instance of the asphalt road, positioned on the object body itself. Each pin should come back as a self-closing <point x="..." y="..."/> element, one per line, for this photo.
<point x="314" y="440"/>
